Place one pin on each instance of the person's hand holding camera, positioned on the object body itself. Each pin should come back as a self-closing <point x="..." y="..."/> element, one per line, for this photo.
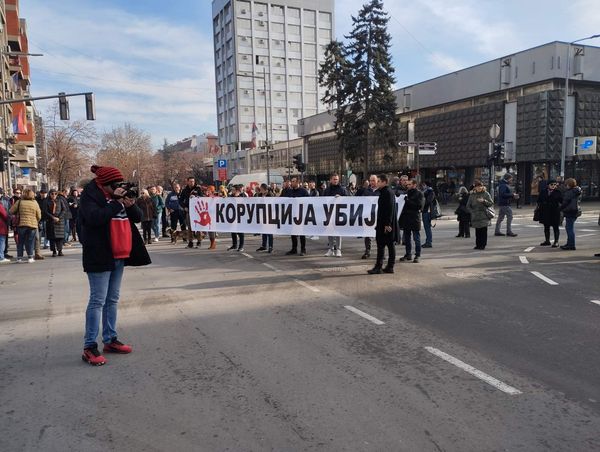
<point x="128" y="202"/>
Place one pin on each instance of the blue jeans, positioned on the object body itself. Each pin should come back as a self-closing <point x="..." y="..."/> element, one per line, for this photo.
<point x="26" y="240"/>
<point x="105" y="288"/>
<point x="2" y="245"/>
<point x="156" y="225"/>
<point x="570" y="228"/>
<point x="408" y="243"/>
<point x="427" y="227"/>
<point x="267" y="239"/>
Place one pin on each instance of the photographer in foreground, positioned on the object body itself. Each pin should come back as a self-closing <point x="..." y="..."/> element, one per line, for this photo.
<point x="110" y="241"/>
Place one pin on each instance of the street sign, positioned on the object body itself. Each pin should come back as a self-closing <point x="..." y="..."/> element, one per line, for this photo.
<point x="408" y="143"/>
<point x="426" y="151"/>
<point x="221" y="163"/>
<point x="222" y="172"/>
<point x="494" y="131"/>
<point x="585" y="145"/>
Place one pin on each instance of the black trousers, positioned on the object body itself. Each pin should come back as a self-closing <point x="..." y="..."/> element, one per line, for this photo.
<point x="368" y="241"/>
<point x="147" y="231"/>
<point x="56" y="245"/>
<point x="385" y="240"/>
<point x="302" y="242"/>
<point x="177" y="216"/>
<point x="164" y="222"/>
<point x="547" y="232"/>
<point x="464" y="230"/>
<point x="481" y="237"/>
<point x="234" y="239"/>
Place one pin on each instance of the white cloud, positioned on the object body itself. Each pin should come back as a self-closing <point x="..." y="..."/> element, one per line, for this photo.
<point x="147" y="71"/>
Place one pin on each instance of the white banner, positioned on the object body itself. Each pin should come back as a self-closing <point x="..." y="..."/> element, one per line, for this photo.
<point x="321" y="216"/>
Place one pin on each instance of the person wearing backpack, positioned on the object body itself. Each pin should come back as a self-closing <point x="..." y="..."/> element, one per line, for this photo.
<point x="429" y="197"/>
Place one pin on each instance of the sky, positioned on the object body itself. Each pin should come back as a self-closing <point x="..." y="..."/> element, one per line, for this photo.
<point x="150" y="62"/>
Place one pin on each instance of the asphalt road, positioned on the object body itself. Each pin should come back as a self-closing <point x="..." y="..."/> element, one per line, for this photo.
<point x="466" y="351"/>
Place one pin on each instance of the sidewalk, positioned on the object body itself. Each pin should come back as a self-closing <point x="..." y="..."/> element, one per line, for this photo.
<point x="524" y="211"/>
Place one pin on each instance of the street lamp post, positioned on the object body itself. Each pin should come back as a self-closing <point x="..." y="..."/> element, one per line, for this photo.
<point x="264" y="79"/>
<point x="563" y="153"/>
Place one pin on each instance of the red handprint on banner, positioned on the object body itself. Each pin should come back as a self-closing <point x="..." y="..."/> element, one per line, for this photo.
<point x="202" y="211"/>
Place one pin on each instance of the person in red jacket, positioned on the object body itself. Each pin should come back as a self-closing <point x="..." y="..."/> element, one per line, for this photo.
<point x="110" y="241"/>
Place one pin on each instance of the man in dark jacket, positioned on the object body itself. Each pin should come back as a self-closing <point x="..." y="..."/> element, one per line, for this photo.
<point x="191" y="189"/>
<point x="110" y="241"/>
<point x="410" y="221"/>
<point x="296" y="191"/>
<point x="334" y="243"/>
<point x="429" y="197"/>
<point x="370" y="190"/>
<point x="505" y="196"/>
<point x="384" y="228"/>
<point x="174" y="209"/>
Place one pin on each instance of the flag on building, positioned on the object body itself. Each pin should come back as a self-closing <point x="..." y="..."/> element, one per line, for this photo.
<point x="254" y="133"/>
<point x="19" y="119"/>
<point x="15" y="82"/>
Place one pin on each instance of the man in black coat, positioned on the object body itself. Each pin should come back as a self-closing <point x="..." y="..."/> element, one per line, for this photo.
<point x="410" y="220"/>
<point x="191" y="189"/>
<point x="110" y="241"/>
<point x="296" y="191"/>
<point x="369" y="190"/>
<point x="384" y="228"/>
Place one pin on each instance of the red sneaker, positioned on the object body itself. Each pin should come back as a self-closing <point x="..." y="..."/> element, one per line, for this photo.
<point x="93" y="356"/>
<point x="117" y="347"/>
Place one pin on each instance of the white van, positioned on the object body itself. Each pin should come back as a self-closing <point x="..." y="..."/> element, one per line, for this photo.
<point x="256" y="179"/>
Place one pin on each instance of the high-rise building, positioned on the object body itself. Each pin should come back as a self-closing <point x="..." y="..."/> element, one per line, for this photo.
<point x="278" y="45"/>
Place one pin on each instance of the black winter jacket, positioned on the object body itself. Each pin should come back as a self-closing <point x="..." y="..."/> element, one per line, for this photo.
<point x="95" y="215"/>
<point x="549" y="204"/>
<point x="335" y="190"/>
<point x="410" y="218"/>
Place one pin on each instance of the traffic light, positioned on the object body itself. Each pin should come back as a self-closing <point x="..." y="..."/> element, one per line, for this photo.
<point x="499" y="152"/>
<point x="297" y="160"/>
<point x="63" y="106"/>
<point x="90" y="107"/>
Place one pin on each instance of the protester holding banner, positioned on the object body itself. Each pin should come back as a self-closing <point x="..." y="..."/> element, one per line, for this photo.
<point x="410" y="221"/>
<point x="386" y="224"/>
<point x="267" y="239"/>
<point x="370" y="190"/>
<point x="295" y="191"/>
<point x="334" y="243"/>
<point x="191" y="189"/>
<point x="237" y="238"/>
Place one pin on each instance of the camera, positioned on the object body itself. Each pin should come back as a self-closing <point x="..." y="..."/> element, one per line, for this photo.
<point x="131" y="189"/>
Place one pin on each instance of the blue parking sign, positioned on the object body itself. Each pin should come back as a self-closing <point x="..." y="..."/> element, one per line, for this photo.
<point x="222" y="163"/>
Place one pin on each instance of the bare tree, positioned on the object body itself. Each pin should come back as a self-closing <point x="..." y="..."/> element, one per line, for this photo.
<point x="129" y="149"/>
<point x="70" y="148"/>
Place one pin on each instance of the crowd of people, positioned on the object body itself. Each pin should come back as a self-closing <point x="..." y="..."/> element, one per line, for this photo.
<point x="48" y="220"/>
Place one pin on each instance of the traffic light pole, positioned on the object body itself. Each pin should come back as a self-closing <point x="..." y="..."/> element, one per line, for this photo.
<point x="492" y="169"/>
<point x="25" y="99"/>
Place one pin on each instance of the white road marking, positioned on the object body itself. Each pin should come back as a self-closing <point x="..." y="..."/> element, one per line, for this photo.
<point x="475" y="372"/>
<point x="515" y="224"/>
<point x="533" y="225"/>
<point x="588" y="230"/>
<point x="271" y="267"/>
<point x="523" y="259"/>
<point x="364" y="315"/>
<point x="527" y="250"/>
<point x="248" y="256"/>
<point x="308" y="286"/>
<point x="545" y="279"/>
<point x="585" y="235"/>
<point x="596" y="302"/>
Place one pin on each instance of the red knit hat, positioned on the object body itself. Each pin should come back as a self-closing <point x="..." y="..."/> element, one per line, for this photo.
<point x="107" y="174"/>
